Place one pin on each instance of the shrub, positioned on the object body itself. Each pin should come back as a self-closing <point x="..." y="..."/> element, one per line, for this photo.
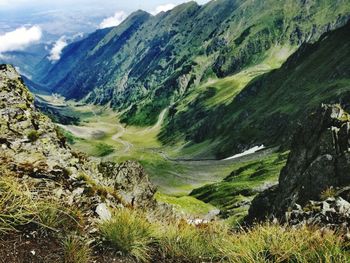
<point x="130" y="233"/>
<point x="76" y="250"/>
<point x="103" y="149"/>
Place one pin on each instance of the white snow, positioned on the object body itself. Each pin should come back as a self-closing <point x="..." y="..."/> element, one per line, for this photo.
<point x="247" y="152"/>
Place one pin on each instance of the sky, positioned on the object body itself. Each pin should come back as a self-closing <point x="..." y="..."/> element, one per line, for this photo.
<point x="27" y="22"/>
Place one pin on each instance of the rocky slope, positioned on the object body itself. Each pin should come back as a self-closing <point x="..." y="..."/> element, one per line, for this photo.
<point x="32" y="145"/>
<point x="318" y="167"/>
<point x="35" y="157"/>
<point x="148" y="62"/>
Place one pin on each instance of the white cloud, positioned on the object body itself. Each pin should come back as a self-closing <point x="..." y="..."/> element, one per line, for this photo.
<point x="162" y="8"/>
<point x="2" y="56"/>
<point x="114" y="20"/>
<point x="56" y="51"/>
<point x="20" y="38"/>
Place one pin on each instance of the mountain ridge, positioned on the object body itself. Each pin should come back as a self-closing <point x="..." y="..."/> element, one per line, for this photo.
<point x="191" y="43"/>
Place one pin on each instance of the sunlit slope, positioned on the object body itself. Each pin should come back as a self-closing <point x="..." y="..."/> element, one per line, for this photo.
<point x="268" y="109"/>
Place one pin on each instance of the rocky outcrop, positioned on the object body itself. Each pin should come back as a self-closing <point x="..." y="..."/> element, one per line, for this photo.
<point x="332" y="213"/>
<point x="319" y="161"/>
<point x="35" y="151"/>
<point x="130" y="182"/>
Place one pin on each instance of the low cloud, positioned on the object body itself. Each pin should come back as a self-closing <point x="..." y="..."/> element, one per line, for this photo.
<point x="114" y="20"/>
<point x="56" y="51"/>
<point x="20" y="38"/>
<point x="162" y="8"/>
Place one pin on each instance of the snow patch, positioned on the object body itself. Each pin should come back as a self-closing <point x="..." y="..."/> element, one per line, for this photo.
<point x="247" y="152"/>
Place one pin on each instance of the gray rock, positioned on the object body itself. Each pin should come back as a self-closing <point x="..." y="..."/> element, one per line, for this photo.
<point x="103" y="212"/>
<point x="319" y="160"/>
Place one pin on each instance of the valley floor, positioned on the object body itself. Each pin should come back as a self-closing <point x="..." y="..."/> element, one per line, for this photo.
<point x="101" y="135"/>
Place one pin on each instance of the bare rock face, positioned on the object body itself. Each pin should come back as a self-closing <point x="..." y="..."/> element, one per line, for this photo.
<point x="131" y="182"/>
<point x="319" y="160"/>
<point x="33" y="148"/>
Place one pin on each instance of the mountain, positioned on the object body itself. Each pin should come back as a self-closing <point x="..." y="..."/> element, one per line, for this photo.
<point x="151" y="62"/>
<point x="25" y="60"/>
<point x="268" y="109"/>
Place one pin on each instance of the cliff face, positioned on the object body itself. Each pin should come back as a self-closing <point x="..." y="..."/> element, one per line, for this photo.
<point x="318" y="166"/>
<point x="33" y="150"/>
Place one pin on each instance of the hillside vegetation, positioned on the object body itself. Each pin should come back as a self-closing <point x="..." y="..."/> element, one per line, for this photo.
<point x="268" y="109"/>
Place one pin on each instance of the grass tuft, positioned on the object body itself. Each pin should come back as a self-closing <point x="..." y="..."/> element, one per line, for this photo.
<point x="327" y="193"/>
<point x="187" y="243"/>
<point x="76" y="250"/>
<point x="33" y="136"/>
<point x="15" y="208"/>
<point x="130" y="233"/>
<point x="274" y="243"/>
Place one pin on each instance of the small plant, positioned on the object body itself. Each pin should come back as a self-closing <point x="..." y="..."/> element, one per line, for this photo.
<point x="33" y="135"/>
<point x="76" y="250"/>
<point x="327" y="193"/>
<point x="130" y="233"/>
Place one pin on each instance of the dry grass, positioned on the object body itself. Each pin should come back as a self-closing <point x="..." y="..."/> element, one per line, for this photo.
<point x="172" y="241"/>
<point x="15" y="204"/>
<point x="20" y="206"/>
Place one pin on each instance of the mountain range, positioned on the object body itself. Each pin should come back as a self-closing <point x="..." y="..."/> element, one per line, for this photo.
<point x="197" y="61"/>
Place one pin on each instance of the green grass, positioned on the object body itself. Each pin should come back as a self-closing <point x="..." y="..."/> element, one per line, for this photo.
<point x="186" y="204"/>
<point x="270" y="105"/>
<point x="76" y="250"/>
<point x="130" y="233"/>
<point x="242" y="184"/>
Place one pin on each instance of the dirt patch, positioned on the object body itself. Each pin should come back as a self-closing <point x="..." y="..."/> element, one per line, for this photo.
<point x="29" y="248"/>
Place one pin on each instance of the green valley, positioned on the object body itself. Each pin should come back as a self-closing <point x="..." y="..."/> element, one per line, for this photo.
<point x="101" y="135"/>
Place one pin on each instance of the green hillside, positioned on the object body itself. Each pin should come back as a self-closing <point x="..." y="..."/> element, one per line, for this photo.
<point x="269" y="108"/>
<point x="150" y="62"/>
